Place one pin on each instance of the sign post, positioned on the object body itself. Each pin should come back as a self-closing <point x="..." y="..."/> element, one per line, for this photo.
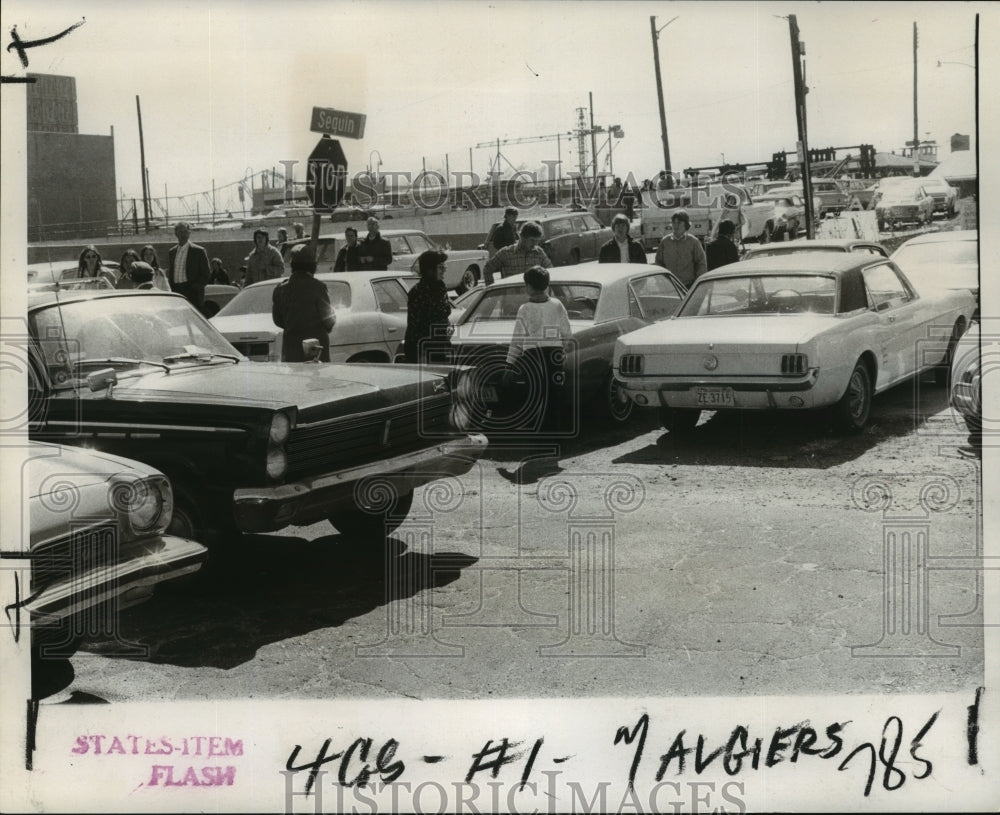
<point x="326" y="181"/>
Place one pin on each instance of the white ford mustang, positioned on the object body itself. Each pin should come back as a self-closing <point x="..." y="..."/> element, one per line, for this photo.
<point x="810" y="330"/>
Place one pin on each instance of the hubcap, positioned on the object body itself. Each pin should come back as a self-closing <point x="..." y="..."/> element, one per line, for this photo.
<point x="857" y="400"/>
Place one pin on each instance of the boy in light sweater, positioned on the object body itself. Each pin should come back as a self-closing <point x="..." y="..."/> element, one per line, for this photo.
<point x="538" y="347"/>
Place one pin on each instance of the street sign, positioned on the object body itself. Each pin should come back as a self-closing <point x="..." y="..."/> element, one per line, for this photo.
<point x="326" y="179"/>
<point x="338" y="123"/>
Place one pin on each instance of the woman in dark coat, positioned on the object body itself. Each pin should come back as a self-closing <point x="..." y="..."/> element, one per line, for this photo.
<point x="428" y="307"/>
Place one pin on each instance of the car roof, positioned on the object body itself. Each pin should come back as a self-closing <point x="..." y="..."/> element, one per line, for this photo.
<point x="343" y="276"/>
<point x="385" y="233"/>
<point x="37" y="299"/>
<point x="551" y="216"/>
<point x="944" y="237"/>
<point x="799" y="262"/>
<point x="589" y="272"/>
<point x="816" y="243"/>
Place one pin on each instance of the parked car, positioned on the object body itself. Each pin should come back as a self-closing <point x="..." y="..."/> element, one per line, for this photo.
<point x="833" y="194"/>
<point x="945" y="196"/>
<point x="706" y="206"/>
<point x="463" y="270"/>
<point x="942" y="260"/>
<point x="216" y="296"/>
<point x="569" y="238"/>
<point x="247" y="445"/>
<point x="804" y="331"/>
<point x="602" y="301"/>
<point x="98" y="538"/>
<point x="863" y="192"/>
<point x="967" y="380"/>
<point x="800" y="245"/>
<point x="370" y="309"/>
<point x="789" y="214"/>
<point x="903" y="203"/>
<point x="279" y="216"/>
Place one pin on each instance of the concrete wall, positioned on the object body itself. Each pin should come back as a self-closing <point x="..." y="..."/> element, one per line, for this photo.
<point x="71" y="185"/>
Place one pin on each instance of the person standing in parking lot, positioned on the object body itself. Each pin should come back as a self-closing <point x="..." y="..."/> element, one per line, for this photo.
<point x="427" y="312"/>
<point x="349" y="257"/>
<point x="301" y="306"/>
<point x="375" y="253"/>
<point x="680" y="252"/>
<point x="517" y="258"/>
<point x="264" y="262"/>
<point x="188" y="267"/>
<point x="506" y="233"/>
<point x="722" y="250"/>
<point x="621" y="248"/>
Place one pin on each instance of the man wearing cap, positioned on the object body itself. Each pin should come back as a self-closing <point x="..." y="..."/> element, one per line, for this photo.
<point x="301" y="306"/>
<point x="680" y="252"/>
<point x="621" y="248"/>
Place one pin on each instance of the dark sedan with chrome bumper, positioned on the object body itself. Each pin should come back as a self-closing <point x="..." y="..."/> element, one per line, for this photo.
<point x="255" y="446"/>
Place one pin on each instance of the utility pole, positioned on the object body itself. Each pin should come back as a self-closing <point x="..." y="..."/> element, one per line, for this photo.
<point x="593" y="135"/>
<point x="142" y="160"/>
<point x="798" y="50"/>
<point x="916" y="134"/>
<point x="659" y="93"/>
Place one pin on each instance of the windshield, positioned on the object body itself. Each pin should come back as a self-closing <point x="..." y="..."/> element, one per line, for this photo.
<point x="765" y="294"/>
<point x="257" y="299"/>
<point x="76" y="338"/>
<point x="580" y="300"/>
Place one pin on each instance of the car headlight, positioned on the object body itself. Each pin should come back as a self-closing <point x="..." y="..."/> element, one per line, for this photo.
<point x="280" y="428"/>
<point x="145" y="505"/>
<point x="277" y="462"/>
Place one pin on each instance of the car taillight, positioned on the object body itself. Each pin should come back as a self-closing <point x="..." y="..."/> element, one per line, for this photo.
<point x="794" y="363"/>
<point x="630" y="364"/>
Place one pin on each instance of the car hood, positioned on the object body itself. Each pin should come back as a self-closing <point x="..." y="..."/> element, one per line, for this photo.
<point x="751" y="330"/>
<point x="52" y="468"/>
<point x="318" y="390"/>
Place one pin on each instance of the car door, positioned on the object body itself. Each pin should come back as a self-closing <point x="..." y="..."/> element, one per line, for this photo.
<point x="899" y="322"/>
<point x="402" y="254"/>
<point x="391" y="301"/>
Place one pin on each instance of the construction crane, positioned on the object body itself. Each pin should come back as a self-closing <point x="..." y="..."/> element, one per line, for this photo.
<point x="556" y="137"/>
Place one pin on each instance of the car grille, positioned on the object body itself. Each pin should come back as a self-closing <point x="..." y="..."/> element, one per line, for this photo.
<point x="73" y="555"/>
<point x="369" y="437"/>
<point x="253" y="349"/>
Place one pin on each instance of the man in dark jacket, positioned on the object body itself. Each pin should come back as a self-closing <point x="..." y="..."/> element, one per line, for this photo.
<point x="722" y="250"/>
<point x="349" y="257"/>
<point x="506" y="233"/>
<point x="621" y="248"/>
<point x="375" y="252"/>
<point x="189" y="268"/>
<point x="300" y="305"/>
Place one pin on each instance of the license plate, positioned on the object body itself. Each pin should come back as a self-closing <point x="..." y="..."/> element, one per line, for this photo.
<point x="714" y="397"/>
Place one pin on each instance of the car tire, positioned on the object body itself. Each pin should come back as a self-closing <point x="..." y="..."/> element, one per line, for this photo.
<point x="943" y="371"/>
<point x="608" y="406"/>
<point x="357" y="522"/>
<point x="881" y="225"/>
<point x="765" y="235"/>
<point x="679" y="421"/>
<point x="470" y="277"/>
<point x="574" y="257"/>
<point x="853" y="409"/>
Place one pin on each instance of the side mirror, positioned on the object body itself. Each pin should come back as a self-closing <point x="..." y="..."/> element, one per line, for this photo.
<point x="312" y="349"/>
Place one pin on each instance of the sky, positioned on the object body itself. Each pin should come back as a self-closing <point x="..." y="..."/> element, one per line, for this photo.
<point x="227" y="88"/>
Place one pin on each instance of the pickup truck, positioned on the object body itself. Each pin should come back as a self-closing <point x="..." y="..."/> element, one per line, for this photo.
<point x="706" y="207"/>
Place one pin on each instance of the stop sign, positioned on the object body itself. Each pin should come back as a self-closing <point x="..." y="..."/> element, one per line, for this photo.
<point x="327" y="175"/>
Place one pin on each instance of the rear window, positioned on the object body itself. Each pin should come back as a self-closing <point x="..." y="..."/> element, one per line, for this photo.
<point x="258" y="299"/>
<point x="764" y="294"/>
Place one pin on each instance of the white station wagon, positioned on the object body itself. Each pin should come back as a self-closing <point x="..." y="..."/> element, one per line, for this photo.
<point x="811" y="330"/>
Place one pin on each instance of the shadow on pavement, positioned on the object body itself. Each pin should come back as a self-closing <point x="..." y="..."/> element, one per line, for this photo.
<point x="261" y="589"/>
<point x="790" y="439"/>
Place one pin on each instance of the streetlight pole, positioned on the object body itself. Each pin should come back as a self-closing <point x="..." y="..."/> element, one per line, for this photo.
<point x="659" y="92"/>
